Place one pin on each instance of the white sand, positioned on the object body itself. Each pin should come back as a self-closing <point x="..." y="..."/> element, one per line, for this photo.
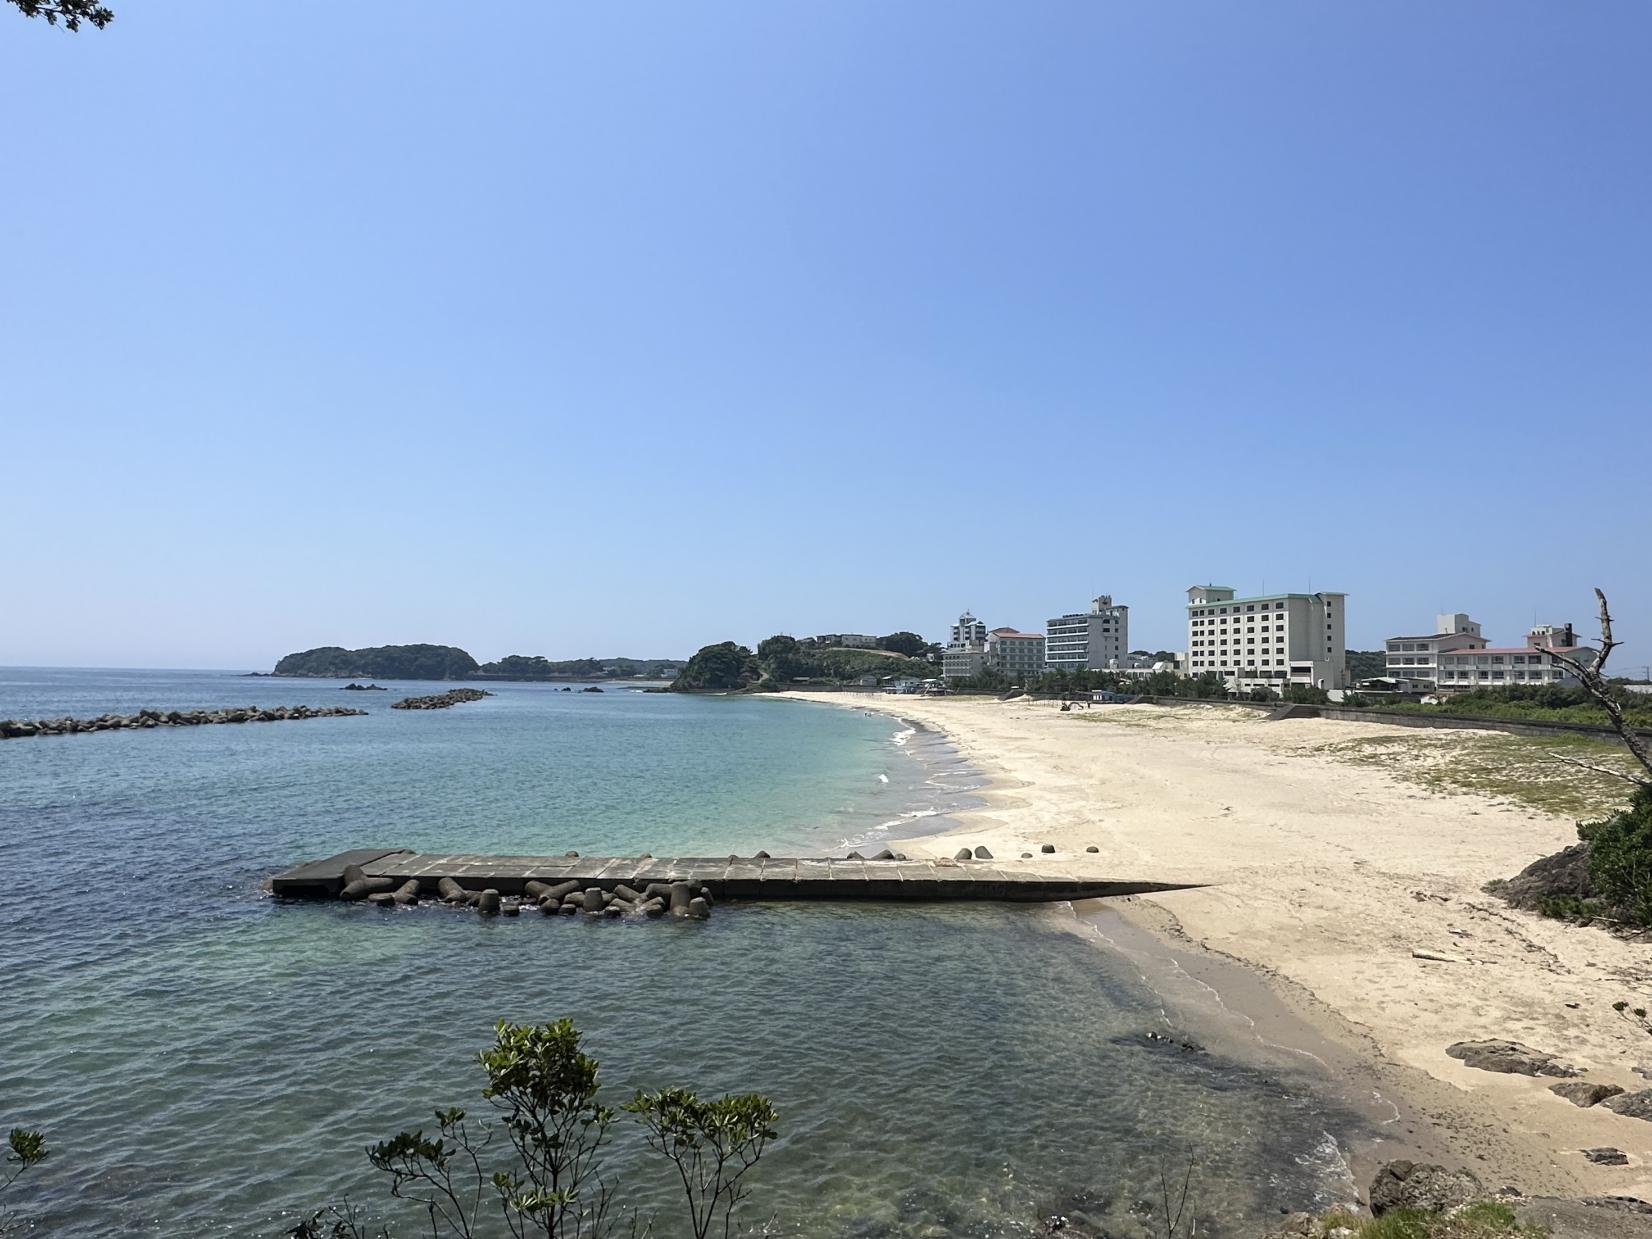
<point x="1328" y="877"/>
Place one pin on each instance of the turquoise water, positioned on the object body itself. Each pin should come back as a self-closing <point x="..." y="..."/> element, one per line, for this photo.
<point x="208" y="1060"/>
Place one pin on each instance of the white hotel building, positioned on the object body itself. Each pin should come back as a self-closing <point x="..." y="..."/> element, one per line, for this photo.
<point x="1095" y="639"/>
<point x="1417" y="658"/>
<point x="1268" y="641"/>
<point x="1498" y="667"/>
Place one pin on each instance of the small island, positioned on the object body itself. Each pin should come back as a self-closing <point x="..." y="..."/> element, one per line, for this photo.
<point x="449" y="662"/>
<point x="353" y="687"/>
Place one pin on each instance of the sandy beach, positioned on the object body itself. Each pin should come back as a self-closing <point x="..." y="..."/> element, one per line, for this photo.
<point x="1332" y="870"/>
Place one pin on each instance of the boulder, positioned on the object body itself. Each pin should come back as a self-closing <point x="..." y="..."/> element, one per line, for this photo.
<point x="1047" y="848"/>
<point x="681" y="896"/>
<point x="1508" y="1057"/>
<point x="363" y="887"/>
<point x="1636" y="1105"/>
<point x="1582" y="1093"/>
<point x="1092" y="848"/>
<point x="981" y="853"/>
<point x="1593" y="1217"/>
<point x="1607" y="1156"/>
<point x="1430" y="1188"/>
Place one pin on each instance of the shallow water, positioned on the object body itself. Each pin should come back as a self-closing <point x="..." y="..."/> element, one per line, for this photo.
<point x="207" y="1060"/>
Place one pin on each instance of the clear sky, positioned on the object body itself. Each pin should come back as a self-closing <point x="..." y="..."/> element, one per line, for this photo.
<point x="621" y="328"/>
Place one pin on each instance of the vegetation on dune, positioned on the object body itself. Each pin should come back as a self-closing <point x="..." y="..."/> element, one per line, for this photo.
<point x="1620" y="861"/>
<point x="1553" y="703"/>
<point x="1480" y="1219"/>
<point x="386" y="662"/>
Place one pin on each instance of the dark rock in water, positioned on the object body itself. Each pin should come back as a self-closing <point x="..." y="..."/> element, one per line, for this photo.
<point x="592" y="689"/>
<point x="963" y="854"/>
<point x="1432" y="1189"/>
<point x="564" y="689"/>
<point x="353" y="687"/>
<point x="1508" y="1057"/>
<point x="1155" y="1040"/>
<point x="363" y="887"/>
<point x="1582" y="1093"/>
<point x="1092" y="848"/>
<point x="981" y="853"/>
<point x="1047" y="849"/>
<point x="1637" y="1105"/>
<point x="681" y="896"/>
<point x="441" y="701"/>
<point x="699" y="909"/>
<point x="1607" y="1156"/>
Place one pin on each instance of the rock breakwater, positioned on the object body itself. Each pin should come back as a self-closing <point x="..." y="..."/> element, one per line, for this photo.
<point x="441" y="701"/>
<point x="16" y="728"/>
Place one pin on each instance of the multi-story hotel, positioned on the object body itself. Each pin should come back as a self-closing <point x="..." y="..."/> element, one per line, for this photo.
<point x="966" y="648"/>
<point x="1267" y="641"/>
<point x="1417" y="658"/>
<point x="1016" y="654"/>
<point x="1096" y="639"/>
<point x="1498" y="667"/>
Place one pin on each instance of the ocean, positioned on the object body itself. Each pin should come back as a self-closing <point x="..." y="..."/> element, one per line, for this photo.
<point x="207" y="1060"/>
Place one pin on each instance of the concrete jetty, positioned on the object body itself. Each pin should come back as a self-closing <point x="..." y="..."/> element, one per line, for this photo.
<point x="1046" y="878"/>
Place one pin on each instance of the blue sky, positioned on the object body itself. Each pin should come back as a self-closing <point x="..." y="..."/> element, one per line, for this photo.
<point x="610" y="329"/>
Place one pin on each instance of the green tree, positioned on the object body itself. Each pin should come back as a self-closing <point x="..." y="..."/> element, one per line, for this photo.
<point x="713" y="1144"/>
<point x="907" y="643"/>
<point x="718" y="668"/>
<point x="69" y="12"/>
<point x="25" y="1149"/>
<point x="782" y="658"/>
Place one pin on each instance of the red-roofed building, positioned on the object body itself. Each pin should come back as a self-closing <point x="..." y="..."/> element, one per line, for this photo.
<point x="1532" y="663"/>
<point x="1017" y="654"/>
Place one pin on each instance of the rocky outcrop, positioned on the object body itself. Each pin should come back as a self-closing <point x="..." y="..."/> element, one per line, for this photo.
<point x="441" y="701"/>
<point x="1582" y="1093"/>
<point x="1607" y="1156"/>
<point x="17" y="728"/>
<point x="1508" y="1057"/>
<point x="1636" y="1105"/>
<point x="353" y="687"/>
<point x="1562" y="876"/>
<point x="1412" y="1185"/>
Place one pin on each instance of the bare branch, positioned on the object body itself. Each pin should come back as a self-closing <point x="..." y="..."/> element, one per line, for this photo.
<point x="1590" y="766"/>
<point x="1591" y="676"/>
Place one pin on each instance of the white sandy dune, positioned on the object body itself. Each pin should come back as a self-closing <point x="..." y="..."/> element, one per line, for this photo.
<point x="1334" y="879"/>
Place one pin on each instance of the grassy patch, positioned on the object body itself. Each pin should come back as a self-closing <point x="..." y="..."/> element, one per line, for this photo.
<point x="1484" y="1219"/>
<point x="1522" y="770"/>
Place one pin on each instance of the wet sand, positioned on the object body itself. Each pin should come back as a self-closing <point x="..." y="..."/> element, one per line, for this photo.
<point x="1327" y="881"/>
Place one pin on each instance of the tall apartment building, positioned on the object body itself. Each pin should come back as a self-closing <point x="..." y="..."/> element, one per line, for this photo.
<point x="1532" y="663"/>
<point x="966" y="648"/>
<point x="1016" y="654"/>
<point x="1095" y="639"/>
<point x="1417" y="658"/>
<point x="1267" y="641"/>
<point x="967" y="631"/>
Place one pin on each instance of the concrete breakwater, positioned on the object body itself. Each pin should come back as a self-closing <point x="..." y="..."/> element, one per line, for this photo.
<point x="16" y="728"/>
<point x="441" y="701"/>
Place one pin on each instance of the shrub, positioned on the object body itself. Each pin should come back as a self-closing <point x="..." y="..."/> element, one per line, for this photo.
<point x="1620" y="860"/>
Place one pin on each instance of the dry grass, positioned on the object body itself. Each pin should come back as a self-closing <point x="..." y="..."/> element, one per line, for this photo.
<point x="1518" y="770"/>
